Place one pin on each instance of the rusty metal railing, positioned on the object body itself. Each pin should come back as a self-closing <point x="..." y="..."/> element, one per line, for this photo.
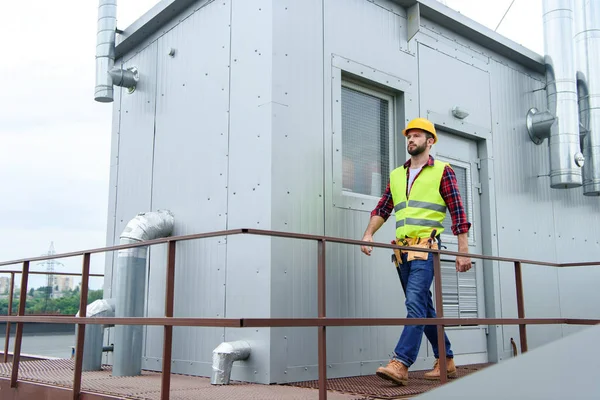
<point x="322" y="322"/>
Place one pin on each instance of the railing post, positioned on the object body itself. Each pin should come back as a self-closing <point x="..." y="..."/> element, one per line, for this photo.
<point x="322" y="338"/>
<point x="165" y="387"/>
<point x="439" y="310"/>
<point x="520" y="306"/>
<point x="10" y="306"/>
<point x="19" y="334"/>
<point x="85" y="280"/>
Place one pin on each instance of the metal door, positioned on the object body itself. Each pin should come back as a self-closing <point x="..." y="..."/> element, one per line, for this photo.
<point x="463" y="292"/>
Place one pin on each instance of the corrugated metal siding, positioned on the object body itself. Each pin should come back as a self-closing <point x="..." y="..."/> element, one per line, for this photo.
<point x="136" y="143"/>
<point x="190" y="179"/>
<point x="297" y="174"/>
<point x="111" y="234"/>
<point x="521" y="198"/>
<point x="248" y="279"/>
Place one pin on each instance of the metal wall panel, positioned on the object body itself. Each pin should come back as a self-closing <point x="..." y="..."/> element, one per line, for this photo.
<point x="249" y="188"/>
<point x="297" y="173"/>
<point x="136" y="143"/>
<point x="461" y="85"/>
<point x="132" y="150"/>
<point x="522" y="195"/>
<point x="190" y="179"/>
<point x="370" y="35"/>
<point x="111" y="234"/>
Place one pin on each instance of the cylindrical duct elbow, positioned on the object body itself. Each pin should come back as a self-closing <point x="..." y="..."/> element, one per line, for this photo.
<point x="130" y="287"/>
<point x="224" y="356"/>
<point x="587" y="49"/>
<point x="562" y="94"/>
<point x="105" y="49"/>
<point x="92" y="348"/>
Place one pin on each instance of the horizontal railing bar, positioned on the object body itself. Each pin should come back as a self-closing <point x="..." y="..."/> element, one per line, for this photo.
<point x="292" y="322"/>
<point x="306" y="322"/>
<point x="49" y="273"/>
<point x="159" y="321"/>
<point x="128" y="246"/>
<point x="579" y="321"/>
<point x="581" y="264"/>
<point x="390" y="246"/>
<point x="289" y="235"/>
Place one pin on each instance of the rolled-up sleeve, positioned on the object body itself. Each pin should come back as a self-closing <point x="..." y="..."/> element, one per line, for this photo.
<point x="385" y="206"/>
<point x="451" y="195"/>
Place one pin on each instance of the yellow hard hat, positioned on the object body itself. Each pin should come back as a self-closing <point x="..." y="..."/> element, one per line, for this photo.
<point x="421" y="123"/>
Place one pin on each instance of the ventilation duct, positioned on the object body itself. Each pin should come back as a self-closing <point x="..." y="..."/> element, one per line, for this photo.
<point x="587" y="50"/>
<point x="560" y="124"/>
<point x="107" y="75"/>
<point x="105" y="49"/>
<point x="94" y="334"/>
<point x="224" y="356"/>
<point x="130" y="287"/>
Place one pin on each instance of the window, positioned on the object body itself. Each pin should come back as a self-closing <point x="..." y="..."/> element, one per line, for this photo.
<point x="367" y="120"/>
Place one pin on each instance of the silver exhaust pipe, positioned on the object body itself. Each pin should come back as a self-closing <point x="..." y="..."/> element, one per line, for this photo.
<point x="105" y="50"/>
<point x="560" y="124"/>
<point x="224" y="356"/>
<point x="94" y="334"/>
<point x="130" y="290"/>
<point x="587" y="43"/>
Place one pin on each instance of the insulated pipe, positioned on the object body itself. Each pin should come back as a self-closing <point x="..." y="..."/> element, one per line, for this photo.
<point x="105" y="50"/>
<point x="565" y="156"/>
<point x="92" y="348"/>
<point x="587" y="50"/>
<point x="130" y="285"/>
<point x="224" y="356"/>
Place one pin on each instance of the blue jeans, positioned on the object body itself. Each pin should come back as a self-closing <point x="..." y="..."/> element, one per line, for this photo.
<point x="416" y="277"/>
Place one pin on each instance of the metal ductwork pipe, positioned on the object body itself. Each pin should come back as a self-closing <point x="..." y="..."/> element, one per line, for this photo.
<point x="565" y="155"/>
<point x="224" y="356"/>
<point x="105" y="50"/>
<point x="587" y="50"/>
<point x="131" y="282"/>
<point x="94" y="334"/>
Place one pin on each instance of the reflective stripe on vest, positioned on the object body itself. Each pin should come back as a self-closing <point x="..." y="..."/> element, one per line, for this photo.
<point x="425" y="208"/>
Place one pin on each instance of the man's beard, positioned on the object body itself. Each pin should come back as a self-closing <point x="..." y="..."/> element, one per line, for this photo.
<point x="417" y="149"/>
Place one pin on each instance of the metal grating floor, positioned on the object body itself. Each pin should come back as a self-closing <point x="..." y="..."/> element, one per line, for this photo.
<point x="147" y="386"/>
<point x="372" y="387"/>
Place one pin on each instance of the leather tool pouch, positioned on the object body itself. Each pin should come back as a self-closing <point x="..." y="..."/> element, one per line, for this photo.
<point x="419" y="255"/>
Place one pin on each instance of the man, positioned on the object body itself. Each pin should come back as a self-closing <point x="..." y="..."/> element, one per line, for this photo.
<point x="420" y="191"/>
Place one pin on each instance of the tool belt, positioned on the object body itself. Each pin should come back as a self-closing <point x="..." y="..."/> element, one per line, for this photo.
<point x="423" y="243"/>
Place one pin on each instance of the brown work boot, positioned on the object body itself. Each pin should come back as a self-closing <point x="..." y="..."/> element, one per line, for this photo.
<point x="434" y="374"/>
<point x="395" y="371"/>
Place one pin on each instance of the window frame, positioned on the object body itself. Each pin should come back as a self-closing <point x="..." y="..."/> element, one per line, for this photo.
<point x="352" y="200"/>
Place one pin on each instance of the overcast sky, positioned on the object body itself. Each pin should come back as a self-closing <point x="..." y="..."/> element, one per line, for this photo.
<point x="55" y="139"/>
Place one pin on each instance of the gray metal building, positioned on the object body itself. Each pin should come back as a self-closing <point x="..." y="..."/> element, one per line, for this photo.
<point x="285" y="115"/>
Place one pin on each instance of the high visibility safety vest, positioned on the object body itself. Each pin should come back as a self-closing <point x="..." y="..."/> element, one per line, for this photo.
<point x="425" y="209"/>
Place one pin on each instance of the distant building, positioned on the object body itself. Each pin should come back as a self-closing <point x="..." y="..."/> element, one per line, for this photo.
<point x="63" y="283"/>
<point x="4" y="285"/>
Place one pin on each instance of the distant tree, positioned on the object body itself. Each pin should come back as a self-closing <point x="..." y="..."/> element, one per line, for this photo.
<point x="66" y="305"/>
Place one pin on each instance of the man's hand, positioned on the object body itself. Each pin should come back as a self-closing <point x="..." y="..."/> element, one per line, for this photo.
<point x="367" y="249"/>
<point x="463" y="264"/>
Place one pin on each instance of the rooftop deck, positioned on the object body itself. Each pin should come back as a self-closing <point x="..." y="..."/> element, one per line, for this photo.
<point x="52" y="377"/>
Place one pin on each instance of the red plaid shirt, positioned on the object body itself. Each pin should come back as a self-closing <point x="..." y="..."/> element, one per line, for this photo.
<point x="448" y="191"/>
